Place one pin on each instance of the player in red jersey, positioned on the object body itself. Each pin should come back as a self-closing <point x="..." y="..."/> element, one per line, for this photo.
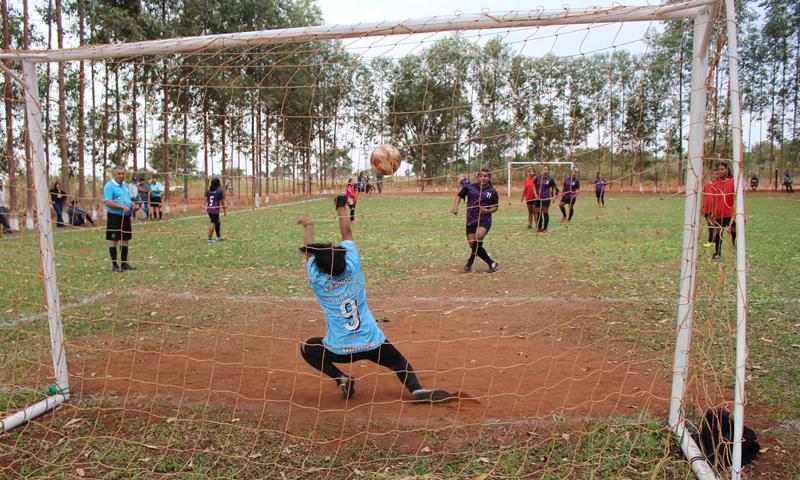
<point x="723" y="207"/>
<point x="708" y="211"/>
<point x="529" y="197"/>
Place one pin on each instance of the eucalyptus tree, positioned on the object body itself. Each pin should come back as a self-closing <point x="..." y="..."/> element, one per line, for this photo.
<point x="427" y="96"/>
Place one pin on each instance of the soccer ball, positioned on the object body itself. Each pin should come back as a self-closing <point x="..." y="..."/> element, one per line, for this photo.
<point x="385" y="159"/>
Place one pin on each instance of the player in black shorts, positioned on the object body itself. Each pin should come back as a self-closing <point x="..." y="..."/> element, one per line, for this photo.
<point x="546" y="188"/>
<point x="215" y="199"/>
<point x="482" y="202"/>
<point x="570" y="195"/>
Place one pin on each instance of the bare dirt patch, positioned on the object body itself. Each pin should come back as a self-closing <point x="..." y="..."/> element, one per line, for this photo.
<point x="511" y="359"/>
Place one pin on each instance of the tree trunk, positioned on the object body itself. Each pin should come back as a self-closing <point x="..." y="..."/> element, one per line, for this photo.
<point x="165" y="133"/>
<point x="29" y="198"/>
<point x="117" y="106"/>
<point x="185" y="148"/>
<point x="135" y="118"/>
<point x="47" y="134"/>
<point x="81" y="110"/>
<point x="223" y="139"/>
<point x="11" y="160"/>
<point x="62" y="106"/>
<point x="680" y="112"/>
<point x="205" y="142"/>
<point x="104" y="124"/>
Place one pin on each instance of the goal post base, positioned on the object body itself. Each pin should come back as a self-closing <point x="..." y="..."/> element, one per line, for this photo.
<point x="29" y="413"/>
<point x="693" y="454"/>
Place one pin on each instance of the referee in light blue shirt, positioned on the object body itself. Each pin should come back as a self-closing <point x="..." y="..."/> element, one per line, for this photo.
<point x="117" y="200"/>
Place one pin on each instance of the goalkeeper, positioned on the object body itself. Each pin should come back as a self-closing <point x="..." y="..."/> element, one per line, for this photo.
<point x="336" y="277"/>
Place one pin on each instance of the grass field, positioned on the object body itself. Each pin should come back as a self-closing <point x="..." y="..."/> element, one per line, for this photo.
<point x="603" y="288"/>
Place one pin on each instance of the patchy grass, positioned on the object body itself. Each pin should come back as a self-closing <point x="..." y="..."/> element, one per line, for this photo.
<point x="628" y="251"/>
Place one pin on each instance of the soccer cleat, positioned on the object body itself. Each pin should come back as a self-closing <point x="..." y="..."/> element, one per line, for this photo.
<point x="210" y="241"/>
<point x="493" y="266"/>
<point x="467" y="268"/>
<point x="430" y="395"/>
<point x="530" y="227"/>
<point x="347" y="385"/>
<point x="715" y="256"/>
<point x="127" y="266"/>
<point x="115" y="268"/>
<point x="220" y="239"/>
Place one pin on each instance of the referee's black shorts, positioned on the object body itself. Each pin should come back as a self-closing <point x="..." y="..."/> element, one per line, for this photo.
<point x="118" y="227"/>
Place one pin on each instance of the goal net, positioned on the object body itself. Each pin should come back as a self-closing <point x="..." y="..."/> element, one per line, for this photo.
<point x="565" y="362"/>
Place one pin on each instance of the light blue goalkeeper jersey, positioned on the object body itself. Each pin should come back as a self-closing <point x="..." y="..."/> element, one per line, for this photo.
<point x="351" y="327"/>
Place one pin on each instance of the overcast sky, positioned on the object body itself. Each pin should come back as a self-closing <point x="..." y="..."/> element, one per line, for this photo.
<point x="572" y="40"/>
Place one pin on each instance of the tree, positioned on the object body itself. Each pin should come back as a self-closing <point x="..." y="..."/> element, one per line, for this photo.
<point x="427" y="97"/>
<point x="178" y="154"/>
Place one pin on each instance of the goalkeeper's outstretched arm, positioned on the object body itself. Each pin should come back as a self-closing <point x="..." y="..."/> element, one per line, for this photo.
<point x="308" y="238"/>
<point x="344" y="220"/>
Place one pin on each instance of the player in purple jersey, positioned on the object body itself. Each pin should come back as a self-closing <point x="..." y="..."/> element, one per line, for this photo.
<point x="571" y="187"/>
<point x="600" y="190"/>
<point x="546" y="189"/>
<point x="482" y="202"/>
<point x="215" y="199"/>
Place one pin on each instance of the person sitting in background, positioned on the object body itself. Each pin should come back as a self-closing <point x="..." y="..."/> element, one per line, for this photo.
<point x="78" y="217"/>
<point x="754" y="183"/>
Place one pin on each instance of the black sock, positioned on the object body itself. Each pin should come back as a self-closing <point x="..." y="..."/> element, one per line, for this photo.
<point x="571" y="210"/>
<point x="123" y="250"/>
<point x="217" y="227"/>
<point x="563" y="211"/>
<point x="546" y="220"/>
<point x="483" y="254"/>
<point x="113" y="252"/>
<point x="159" y="215"/>
<point x="718" y="241"/>
<point x="710" y="234"/>
<point x="473" y="249"/>
<point x="540" y="222"/>
<point x="733" y="233"/>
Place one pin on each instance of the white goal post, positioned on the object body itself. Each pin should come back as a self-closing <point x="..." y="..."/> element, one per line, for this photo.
<point x="510" y="167"/>
<point x="703" y="13"/>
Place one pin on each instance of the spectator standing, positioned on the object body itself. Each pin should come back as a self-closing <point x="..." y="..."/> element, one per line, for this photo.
<point x="156" y="189"/>
<point x="58" y="196"/>
<point x="144" y="197"/>
<point x="134" y="197"/>
<point x="787" y="182"/>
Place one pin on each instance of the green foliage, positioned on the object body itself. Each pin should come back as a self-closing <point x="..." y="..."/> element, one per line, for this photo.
<point x="182" y="157"/>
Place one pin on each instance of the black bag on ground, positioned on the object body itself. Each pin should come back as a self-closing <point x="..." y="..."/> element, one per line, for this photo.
<point x="716" y="439"/>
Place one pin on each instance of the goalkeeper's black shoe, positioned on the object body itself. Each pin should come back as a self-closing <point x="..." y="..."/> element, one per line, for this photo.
<point x="468" y="267"/>
<point x="347" y="385"/>
<point x="430" y="395"/>
<point x="493" y="266"/>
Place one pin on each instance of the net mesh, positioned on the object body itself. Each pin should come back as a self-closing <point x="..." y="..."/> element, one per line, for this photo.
<point x="559" y="362"/>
